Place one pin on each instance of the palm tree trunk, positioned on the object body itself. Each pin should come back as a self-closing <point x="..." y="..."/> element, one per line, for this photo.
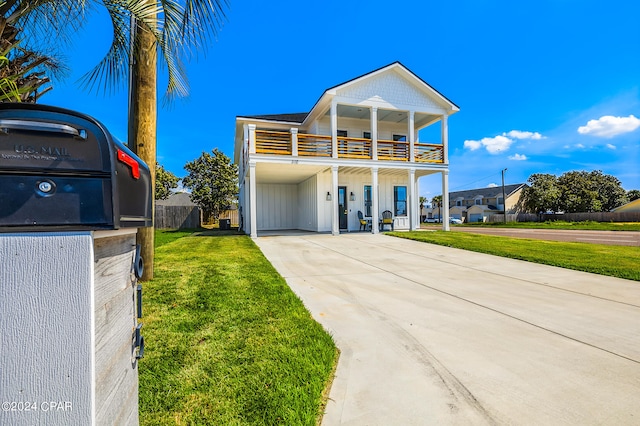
<point x="143" y="117"/>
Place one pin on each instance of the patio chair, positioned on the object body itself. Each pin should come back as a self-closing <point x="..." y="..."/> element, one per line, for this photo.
<point x="364" y="224"/>
<point x="387" y="220"/>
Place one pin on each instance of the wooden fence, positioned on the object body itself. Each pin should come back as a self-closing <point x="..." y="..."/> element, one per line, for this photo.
<point x="569" y="217"/>
<point x="177" y="217"/>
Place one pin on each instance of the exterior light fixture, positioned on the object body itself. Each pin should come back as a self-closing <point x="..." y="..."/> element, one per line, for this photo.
<point x="352" y="197"/>
<point x="328" y="196"/>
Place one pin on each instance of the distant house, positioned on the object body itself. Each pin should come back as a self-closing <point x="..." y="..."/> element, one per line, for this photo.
<point x="478" y="205"/>
<point x="633" y="206"/>
<point x="357" y="150"/>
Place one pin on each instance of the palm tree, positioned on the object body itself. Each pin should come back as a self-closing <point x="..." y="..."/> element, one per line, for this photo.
<point x="142" y="29"/>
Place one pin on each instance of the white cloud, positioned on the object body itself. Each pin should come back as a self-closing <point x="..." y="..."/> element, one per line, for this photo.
<point x="609" y="126"/>
<point x="610" y="146"/>
<point x="518" y="134"/>
<point x="518" y="157"/>
<point x="579" y="145"/>
<point x="492" y="185"/>
<point x="472" y="145"/>
<point x="492" y="145"/>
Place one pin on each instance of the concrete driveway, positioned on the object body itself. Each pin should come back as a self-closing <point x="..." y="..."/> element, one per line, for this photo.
<point x="432" y="335"/>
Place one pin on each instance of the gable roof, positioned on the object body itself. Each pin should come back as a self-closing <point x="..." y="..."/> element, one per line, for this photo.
<point x="177" y="199"/>
<point x="486" y="192"/>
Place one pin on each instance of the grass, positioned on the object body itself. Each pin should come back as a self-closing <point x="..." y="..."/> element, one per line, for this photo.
<point x="560" y="224"/>
<point x="227" y="342"/>
<point x="615" y="261"/>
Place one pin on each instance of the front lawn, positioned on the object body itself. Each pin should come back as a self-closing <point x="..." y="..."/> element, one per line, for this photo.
<point x="615" y="261"/>
<point x="226" y="341"/>
<point x="560" y="224"/>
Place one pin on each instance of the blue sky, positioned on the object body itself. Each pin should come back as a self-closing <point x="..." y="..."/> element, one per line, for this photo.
<point x="543" y="86"/>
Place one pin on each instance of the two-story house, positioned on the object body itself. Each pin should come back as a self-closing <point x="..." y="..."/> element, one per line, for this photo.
<point x="478" y="205"/>
<point x="357" y="150"/>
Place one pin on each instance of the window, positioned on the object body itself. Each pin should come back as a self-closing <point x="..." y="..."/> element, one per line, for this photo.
<point x="399" y="138"/>
<point x="459" y="203"/>
<point x="500" y="201"/>
<point x="367" y="200"/>
<point x="342" y="133"/>
<point x="478" y="201"/>
<point x="400" y="200"/>
<point x="366" y="135"/>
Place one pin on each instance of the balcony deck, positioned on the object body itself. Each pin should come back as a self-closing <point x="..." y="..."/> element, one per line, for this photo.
<point x="309" y="145"/>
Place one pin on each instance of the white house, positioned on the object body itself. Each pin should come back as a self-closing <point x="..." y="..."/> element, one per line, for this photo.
<point x="356" y="150"/>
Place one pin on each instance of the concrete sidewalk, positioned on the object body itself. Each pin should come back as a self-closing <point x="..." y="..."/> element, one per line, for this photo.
<point x="432" y="335"/>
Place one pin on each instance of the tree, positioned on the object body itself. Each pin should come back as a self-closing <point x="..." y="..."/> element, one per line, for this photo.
<point x="165" y="182"/>
<point x="213" y="180"/>
<point x="633" y="194"/>
<point x="593" y="191"/>
<point x="437" y="201"/>
<point x="542" y="194"/>
<point x="172" y="28"/>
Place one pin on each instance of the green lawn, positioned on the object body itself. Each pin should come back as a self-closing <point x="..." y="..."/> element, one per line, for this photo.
<point x="226" y="340"/>
<point x="616" y="261"/>
<point x="582" y="226"/>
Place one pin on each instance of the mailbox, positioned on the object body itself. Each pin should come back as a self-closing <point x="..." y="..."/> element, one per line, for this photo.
<point x="63" y="170"/>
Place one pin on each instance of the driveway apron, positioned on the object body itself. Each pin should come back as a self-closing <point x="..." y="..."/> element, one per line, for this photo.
<point x="431" y="335"/>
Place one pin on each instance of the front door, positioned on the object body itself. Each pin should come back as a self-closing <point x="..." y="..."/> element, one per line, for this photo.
<point x="342" y="207"/>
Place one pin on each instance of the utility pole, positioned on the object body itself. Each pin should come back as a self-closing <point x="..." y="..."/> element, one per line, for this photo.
<point x="504" y="198"/>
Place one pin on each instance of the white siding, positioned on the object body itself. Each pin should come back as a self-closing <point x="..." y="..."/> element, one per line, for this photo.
<point x="355" y="128"/>
<point x="308" y="204"/>
<point x="277" y="206"/>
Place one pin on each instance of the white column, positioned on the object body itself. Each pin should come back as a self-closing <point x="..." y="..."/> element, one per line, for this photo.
<point x="294" y="142"/>
<point x="374" y="133"/>
<point x="444" y="210"/>
<point x="335" y="221"/>
<point x="374" y="200"/>
<point x="334" y="129"/>
<point x="445" y="139"/>
<point x="252" y="138"/>
<point x="253" y="200"/>
<point x="412" y="200"/>
<point x="412" y="136"/>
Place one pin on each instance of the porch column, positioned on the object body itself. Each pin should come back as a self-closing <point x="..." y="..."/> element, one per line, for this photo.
<point x="374" y="133"/>
<point x="253" y="200"/>
<point x="445" y="139"/>
<point x="335" y="220"/>
<point x="294" y="142"/>
<point x="374" y="200"/>
<point x="334" y="129"/>
<point x="444" y="209"/>
<point x="412" y="136"/>
<point x="412" y="200"/>
<point x="252" y="138"/>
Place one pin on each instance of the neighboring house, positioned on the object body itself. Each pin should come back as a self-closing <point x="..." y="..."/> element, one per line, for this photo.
<point x="356" y="150"/>
<point x="477" y="205"/>
<point x="177" y="212"/>
<point x="633" y="206"/>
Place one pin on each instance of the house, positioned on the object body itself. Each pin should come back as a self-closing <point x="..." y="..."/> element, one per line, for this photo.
<point x="478" y="205"/>
<point x="633" y="206"/>
<point x="357" y="149"/>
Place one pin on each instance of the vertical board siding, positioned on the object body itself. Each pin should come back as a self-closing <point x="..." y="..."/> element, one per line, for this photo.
<point x="308" y="204"/>
<point x="277" y="206"/>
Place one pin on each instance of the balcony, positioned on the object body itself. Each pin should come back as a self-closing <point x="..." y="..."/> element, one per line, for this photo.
<point x="308" y="145"/>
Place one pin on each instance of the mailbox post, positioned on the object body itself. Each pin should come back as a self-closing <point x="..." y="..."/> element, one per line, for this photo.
<point x="71" y="200"/>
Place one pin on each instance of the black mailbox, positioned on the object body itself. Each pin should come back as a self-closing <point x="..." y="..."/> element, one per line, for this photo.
<point x="60" y="169"/>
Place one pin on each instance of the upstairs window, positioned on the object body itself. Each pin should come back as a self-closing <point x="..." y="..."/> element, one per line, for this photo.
<point x="399" y="138"/>
<point x="366" y="135"/>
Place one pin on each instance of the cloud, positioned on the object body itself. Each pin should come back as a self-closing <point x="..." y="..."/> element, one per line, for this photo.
<point x="492" y="145"/>
<point x="518" y="134"/>
<point x="579" y="145"/>
<point x="610" y="146"/>
<point x="609" y="126"/>
<point x="492" y="185"/>
<point x="518" y="157"/>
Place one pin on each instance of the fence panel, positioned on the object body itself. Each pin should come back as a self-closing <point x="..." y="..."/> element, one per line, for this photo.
<point x="177" y="217"/>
